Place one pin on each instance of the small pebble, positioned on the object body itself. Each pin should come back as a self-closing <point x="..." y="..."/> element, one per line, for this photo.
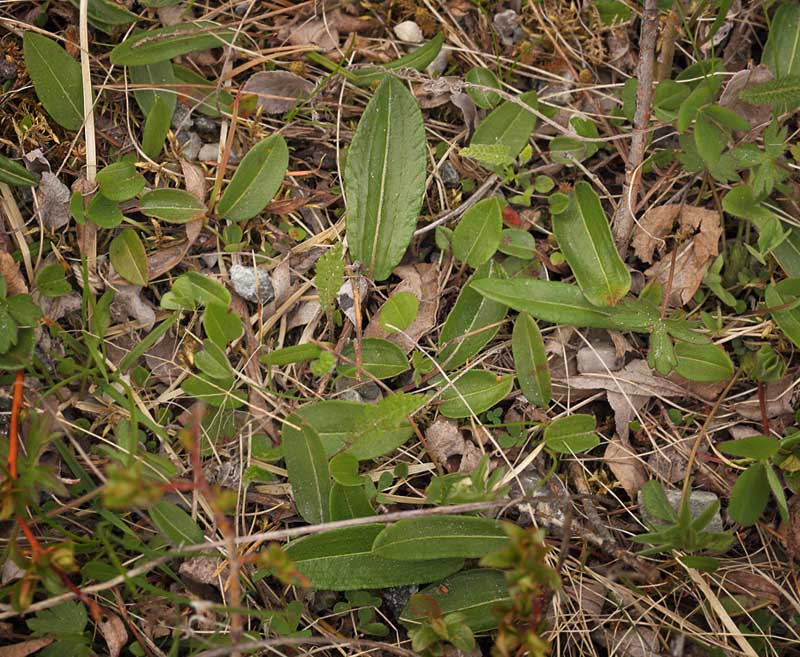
<point x="181" y="118"/>
<point x="699" y="501"/>
<point x="207" y="128"/>
<point x="409" y="32"/>
<point x="252" y="284"/>
<point x="506" y="24"/>
<point x="449" y="175"/>
<point x="191" y="143"/>
<point x="8" y="70"/>
<point x="438" y="65"/>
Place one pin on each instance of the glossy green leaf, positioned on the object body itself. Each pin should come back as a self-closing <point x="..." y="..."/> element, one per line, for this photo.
<point x="342" y="560"/>
<point x="343" y="469"/>
<point x="518" y="243"/>
<point x="175" y="206"/>
<point x="399" y="311"/>
<point x="120" y="181"/>
<point x="782" y="51"/>
<point x="104" y="212"/>
<point x="56" y="78"/>
<point x="572" y="434"/>
<point x="478" y="234"/>
<point x="703" y="362"/>
<point x="749" y="495"/>
<point x="128" y="256"/>
<point x="209" y="97"/>
<point x="168" y="42"/>
<point x="152" y="81"/>
<point x="439" y="537"/>
<point x="783" y="296"/>
<point x="156" y="127"/>
<point x="473" y="593"/>
<point x="483" y="77"/>
<point x="474" y="392"/>
<point x="585" y="239"/>
<point x="473" y="321"/>
<point x="296" y="353"/>
<point x="174" y="523"/>
<point x="307" y="466"/>
<point x="384" y="178"/>
<point x="530" y="361"/>
<point x="380" y="358"/>
<point x="221" y="325"/>
<point x="257" y="179"/>
<point x="753" y="447"/>
<point x="349" y="502"/>
<point x="510" y="124"/>
<point x="14" y="174"/>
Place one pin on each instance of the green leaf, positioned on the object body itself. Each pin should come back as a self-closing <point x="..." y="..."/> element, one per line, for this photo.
<point x="439" y="537"/>
<point x="703" y="362"/>
<point x="612" y="11"/>
<point x="175" y="206"/>
<point x="349" y="502"/>
<point x="168" y="42"/>
<point x="478" y="234"/>
<point x="381" y="428"/>
<point x="709" y="140"/>
<point x="777" y="93"/>
<point x="572" y="434"/>
<point x="518" y="243"/>
<point x="213" y="361"/>
<point x="530" y="361"/>
<point x="191" y="290"/>
<point x="63" y="619"/>
<point x="399" y="311"/>
<point x="701" y="95"/>
<point x="209" y="97"/>
<point x="779" y="295"/>
<point x="14" y="174"/>
<point x="584" y="236"/>
<point x="485" y="78"/>
<point x="120" y="181"/>
<point x="759" y="448"/>
<point x="296" y="353"/>
<point x="56" y="78"/>
<point x="105" y="14"/>
<point x="257" y="179"/>
<point x="342" y="560"/>
<point x="20" y="356"/>
<point x="50" y="281"/>
<point x="155" y="81"/>
<point x="380" y="358"/>
<point x="661" y="356"/>
<point x="474" y="392"/>
<point x="128" y="257"/>
<point x="384" y="178"/>
<point x="749" y="495"/>
<point x="704" y="564"/>
<point x="777" y="492"/>
<point x="727" y="118"/>
<point x="463" y="334"/>
<point x="330" y="276"/>
<point x="156" y="127"/>
<point x="344" y="469"/>
<point x="782" y="51"/>
<point x="418" y="59"/>
<point x="221" y="325"/>
<point x="509" y="125"/>
<point x="307" y="467"/>
<point x="104" y="212"/>
<point x="656" y="502"/>
<point x="175" y="524"/>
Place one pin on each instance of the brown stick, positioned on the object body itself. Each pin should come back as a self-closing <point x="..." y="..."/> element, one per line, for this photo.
<point x="623" y="217"/>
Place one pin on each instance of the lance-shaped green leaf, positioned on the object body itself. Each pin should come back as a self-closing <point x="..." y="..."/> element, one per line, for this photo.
<point x="703" y="362"/>
<point x="210" y="99"/>
<point x="753" y="447"/>
<point x="105" y="14"/>
<point x="380" y="358"/>
<point x="128" y="256"/>
<point x="473" y="593"/>
<point x="473" y="321"/>
<point x="14" y="174"/>
<point x="584" y="236"/>
<point x="474" y="392"/>
<point x="749" y="495"/>
<point x="168" y="42"/>
<point x="177" y="525"/>
<point x="154" y="81"/>
<point x="343" y="560"/>
<point x="530" y="361"/>
<point x="783" y="298"/>
<point x="174" y="206"/>
<point x="156" y="127"/>
<point x="384" y="178"/>
<point x="349" y="502"/>
<point x="418" y="59"/>
<point x="256" y="181"/>
<point x="438" y="537"/>
<point x="572" y="434"/>
<point x="56" y="78"/>
<point x="478" y="234"/>
<point x="775" y="92"/>
<point x="307" y="467"/>
<point x="782" y="51"/>
<point x="509" y="124"/>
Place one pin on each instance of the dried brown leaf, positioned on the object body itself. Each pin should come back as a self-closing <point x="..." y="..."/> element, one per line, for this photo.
<point x="315" y="33"/>
<point x="203" y="570"/>
<point x="651" y="230"/>
<point x="163" y="359"/>
<point x="9" y="269"/>
<point x="195" y="182"/>
<point x="779" y="401"/>
<point x="444" y="440"/>
<point x="636" y="378"/>
<point x="25" y="648"/>
<point x="626" y="466"/>
<point x="625" y="408"/>
<point x="113" y="630"/>
<point x="278" y="91"/>
<point x="53" y="197"/>
<point x="755" y="114"/>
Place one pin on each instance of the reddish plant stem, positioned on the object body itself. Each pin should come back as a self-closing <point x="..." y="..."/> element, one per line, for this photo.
<point x="13" y="429"/>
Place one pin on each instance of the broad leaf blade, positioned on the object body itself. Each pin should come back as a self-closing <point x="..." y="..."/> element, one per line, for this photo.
<point x="156" y="127"/>
<point x="530" y="361"/>
<point x="509" y="125"/>
<point x="584" y="236"/>
<point x="572" y="434"/>
<point x="782" y="51"/>
<point x="384" y="178"/>
<point x="703" y="362"/>
<point x="477" y="236"/>
<point x="778" y="296"/>
<point x="174" y="206"/>
<point x="307" y="466"/>
<point x="474" y="392"/>
<point x="128" y="256"/>
<point x="167" y="42"/>
<point x="749" y="495"/>
<point x="153" y="81"/>
<point x="380" y="358"/>
<point x="177" y="525"/>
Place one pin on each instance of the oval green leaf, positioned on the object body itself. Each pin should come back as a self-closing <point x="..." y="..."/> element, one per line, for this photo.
<point x="104" y="212"/>
<point x="399" y="311"/>
<point x="509" y="125"/>
<point x="56" y="78"/>
<point x="167" y="42"/>
<point x="752" y="447"/>
<point x="120" y="181"/>
<point x="344" y="469"/>
<point x="384" y="178"/>
<point x="585" y="239"/>
<point x="571" y="435"/>
<point x="256" y="181"/>
<point x="307" y="467"/>
<point x="128" y="256"/>
<point x="749" y="495"/>
<point x="518" y="243"/>
<point x="478" y="234"/>
<point x="474" y="392"/>
<point x="485" y="78"/>
<point x="156" y="127"/>
<point x="439" y="537"/>
<point x="174" y="523"/>
<point x="380" y="358"/>
<point x="14" y="174"/>
<point x="530" y="361"/>
<point x="780" y="295"/>
<point x="703" y="362"/>
<point x="154" y="81"/>
<point x="175" y="206"/>
<point x="342" y="560"/>
<point x="349" y="502"/>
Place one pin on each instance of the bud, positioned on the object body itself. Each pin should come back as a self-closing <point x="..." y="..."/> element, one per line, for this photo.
<point x="63" y="558"/>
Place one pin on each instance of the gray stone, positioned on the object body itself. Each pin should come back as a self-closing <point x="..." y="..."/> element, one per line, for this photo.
<point x="408" y="31"/>
<point x="699" y="500"/>
<point x="357" y="391"/>
<point x="191" y="143"/>
<point x="253" y="284"/>
<point x="397" y="597"/>
<point x="182" y="118"/>
<point x="207" y="127"/>
<point x="598" y="359"/>
<point x="449" y="175"/>
<point x="506" y="24"/>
